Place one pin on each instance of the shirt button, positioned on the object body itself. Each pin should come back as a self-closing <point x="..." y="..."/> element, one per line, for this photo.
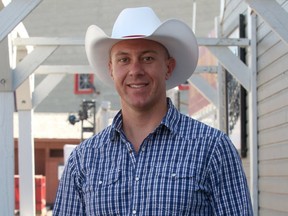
<point x="137" y="178"/>
<point x="100" y="182"/>
<point x="134" y="212"/>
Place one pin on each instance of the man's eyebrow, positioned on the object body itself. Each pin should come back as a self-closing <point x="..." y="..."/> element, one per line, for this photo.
<point x="120" y="53"/>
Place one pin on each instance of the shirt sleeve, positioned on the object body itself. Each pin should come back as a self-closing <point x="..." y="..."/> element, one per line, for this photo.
<point x="69" y="199"/>
<point x="230" y="193"/>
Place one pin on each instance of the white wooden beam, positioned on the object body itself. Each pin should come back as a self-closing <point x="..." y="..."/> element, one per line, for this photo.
<point x="24" y="94"/>
<point x="63" y="69"/>
<point x="221" y="88"/>
<point x="86" y="69"/>
<point x="27" y="163"/>
<point x="6" y="132"/>
<point x="49" y="41"/>
<point x="30" y="63"/>
<point x="253" y="115"/>
<point x="241" y="42"/>
<point x="233" y="65"/>
<point x="206" y="69"/>
<point x="7" y="154"/>
<point x="14" y="13"/>
<point x="273" y="14"/>
<point x="204" y="88"/>
<point x="45" y="87"/>
<point x="77" y="41"/>
<point x="5" y="70"/>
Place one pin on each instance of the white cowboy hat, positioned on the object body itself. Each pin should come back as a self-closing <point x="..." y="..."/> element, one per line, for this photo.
<point x="142" y="22"/>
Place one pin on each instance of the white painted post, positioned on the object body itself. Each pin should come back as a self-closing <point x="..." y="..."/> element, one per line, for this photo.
<point x="6" y="134"/>
<point x="253" y="118"/>
<point x="103" y="116"/>
<point x="6" y="154"/>
<point x="26" y="165"/>
<point x="221" y="113"/>
<point x="105" y="107"/>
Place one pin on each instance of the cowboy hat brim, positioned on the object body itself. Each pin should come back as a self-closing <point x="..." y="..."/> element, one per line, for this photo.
<point x="176" y="36"/>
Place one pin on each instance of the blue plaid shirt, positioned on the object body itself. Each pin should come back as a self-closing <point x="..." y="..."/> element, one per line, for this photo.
<point x="183" y="167"/>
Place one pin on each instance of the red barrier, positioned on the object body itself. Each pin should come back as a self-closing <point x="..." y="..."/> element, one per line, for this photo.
<point x="40" y="193"/>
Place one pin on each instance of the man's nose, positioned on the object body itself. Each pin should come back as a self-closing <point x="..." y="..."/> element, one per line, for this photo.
<point x="136" y="68"/>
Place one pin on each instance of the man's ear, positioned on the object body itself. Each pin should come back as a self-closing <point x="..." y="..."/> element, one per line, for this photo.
<point x="110" y="69"/>
<point x="171" y="64"/>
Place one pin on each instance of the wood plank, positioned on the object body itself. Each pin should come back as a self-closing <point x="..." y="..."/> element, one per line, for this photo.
<point x="262" y="28"/>
<point x="63" y="69"/>
<point x="270" y="40"/>
<point x="49" y="41"/>
<point x="45" y="87"/>
<point x="231" y="16"/>
<point x="7" y="154"/>
<point x="209" y="92"/>
<point x="32" y="61"/>
<point x="77" y="41"/>
<point x="26" y="163"/>
<point x="271" y="104"/>
<point x="274" y="86"/>
<point x="278" y="67"/>
<point x="232" y="63"/>
<point x="273" y="119"/>
<point x="272" y="201"/>
<point x="274" y="53"/>
<point x="269" y="212"/>
<point x="274" y="135"/>
<point x="273" y="152"/>
<point x="277" y="185"/>
<point x="14" y="13"/>
<point x="273" y="168"/>
<point x="5" y="71"/>
<point x="273" y="14"/>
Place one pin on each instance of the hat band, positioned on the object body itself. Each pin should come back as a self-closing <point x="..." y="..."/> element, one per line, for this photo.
<point x="134" y="36"/>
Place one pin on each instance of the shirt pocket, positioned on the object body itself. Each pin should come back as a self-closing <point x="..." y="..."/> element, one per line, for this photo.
<point x="177" y="189"/>
<point x="100" y="187"/>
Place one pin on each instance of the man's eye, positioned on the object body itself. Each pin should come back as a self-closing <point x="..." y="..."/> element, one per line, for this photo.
<point x="123" y="60"/>
<point x="148" y="58"/>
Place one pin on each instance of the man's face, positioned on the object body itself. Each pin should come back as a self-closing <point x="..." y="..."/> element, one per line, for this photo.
<point x="140" y="68"/>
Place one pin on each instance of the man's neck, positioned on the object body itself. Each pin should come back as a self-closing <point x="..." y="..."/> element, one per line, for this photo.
<point x="137" y="125"/>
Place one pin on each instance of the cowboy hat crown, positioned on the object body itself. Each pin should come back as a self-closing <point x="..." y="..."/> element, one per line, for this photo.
<point x="142" y="22"/>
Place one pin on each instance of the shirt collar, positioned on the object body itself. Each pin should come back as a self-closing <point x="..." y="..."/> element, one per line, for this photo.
<point x="170" y="120"/>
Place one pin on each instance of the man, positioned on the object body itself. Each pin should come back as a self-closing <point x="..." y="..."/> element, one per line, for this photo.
<point x="152" y="160"/>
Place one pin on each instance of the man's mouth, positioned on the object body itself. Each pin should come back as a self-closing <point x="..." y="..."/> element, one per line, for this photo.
<point x="137" y="86"/>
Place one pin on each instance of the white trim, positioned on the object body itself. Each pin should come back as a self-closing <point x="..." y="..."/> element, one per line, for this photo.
<point x="45" y="87"/>
<point x="7" y="154"/>
<point x="273" y="14"/>
<point x="233" y="64"/>
<point x="204" y="88"/>
<point x="253" y="115"/>
<point x="78" y="41"/>
<point x="27" y="66"/>
<point x="14" y="13"/>
<point x="26" y="163"/>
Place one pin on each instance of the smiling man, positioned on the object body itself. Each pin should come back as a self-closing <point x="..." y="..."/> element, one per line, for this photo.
<point x="152" y="160"/>
<point x="139" y="69"/>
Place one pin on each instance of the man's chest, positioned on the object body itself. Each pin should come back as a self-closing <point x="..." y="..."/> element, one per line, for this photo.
<point x="154" y="182"/>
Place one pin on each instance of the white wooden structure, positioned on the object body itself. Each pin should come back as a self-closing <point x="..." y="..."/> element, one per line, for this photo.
<point x="264" y="77"/>
<point x="271" y="99"/>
